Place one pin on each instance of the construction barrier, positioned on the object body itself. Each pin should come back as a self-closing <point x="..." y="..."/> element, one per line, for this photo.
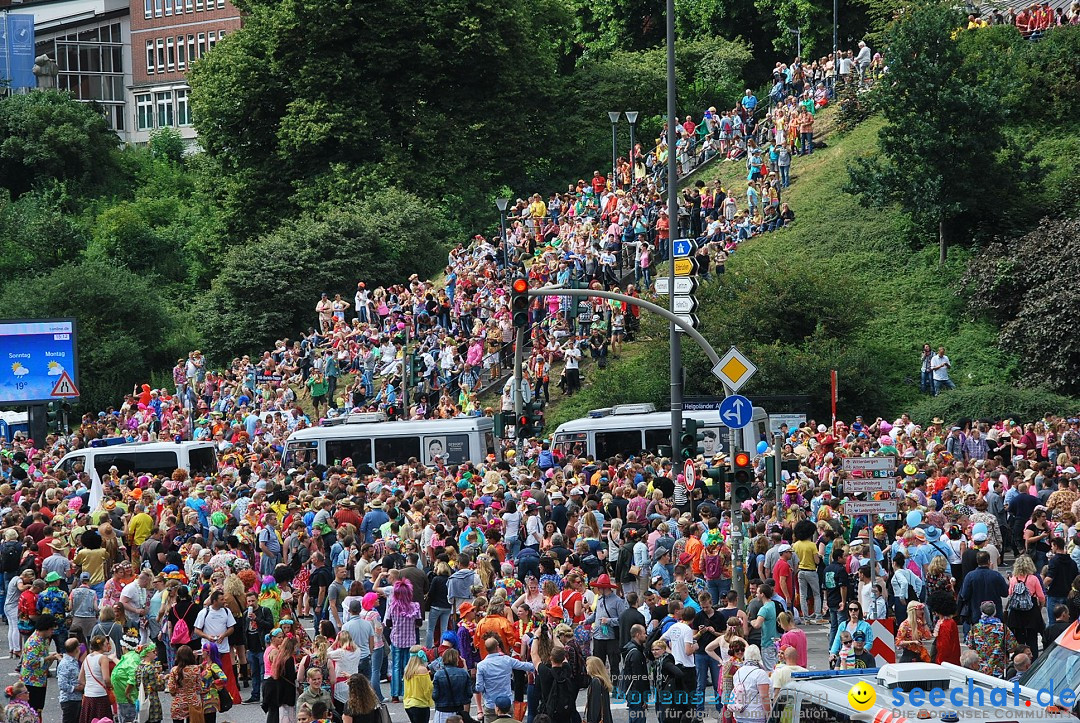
<point x="884" y="647"/>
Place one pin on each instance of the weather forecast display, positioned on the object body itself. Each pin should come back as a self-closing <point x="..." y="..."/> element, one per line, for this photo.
<point x="37" y="360"/>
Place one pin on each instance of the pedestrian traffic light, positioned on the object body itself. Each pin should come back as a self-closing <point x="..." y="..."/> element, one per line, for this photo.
<point x="770" y="477"/>
<point x="519" y="302"/>
<point x="531" y="421"/>
<point x="691" y="440"/>
<point x="53" y="419"/>
<point x="417" y="367"/>
<point x="717" y="484"/>
<point x="742" y="478"/>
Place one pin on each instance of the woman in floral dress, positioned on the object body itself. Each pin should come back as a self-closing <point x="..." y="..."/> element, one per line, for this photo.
<point x="184" y="683"/>
<point x="150" y="678"/>
<point x="212" y="680"/>
<point x="19" y="710"/>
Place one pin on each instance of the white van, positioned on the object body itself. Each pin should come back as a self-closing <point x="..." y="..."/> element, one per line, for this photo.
<point x="368" y="438"/>
<point x="946" y="693"/>
<point x="633" y="428"/>
<point x="159" y="458"/>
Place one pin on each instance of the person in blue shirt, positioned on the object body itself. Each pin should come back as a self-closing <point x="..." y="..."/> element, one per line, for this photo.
<point x="375" y="518"/>
<point x="749" y="101"/>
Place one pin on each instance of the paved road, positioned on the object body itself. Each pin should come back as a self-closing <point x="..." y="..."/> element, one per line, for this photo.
<point x="818" y="660"/>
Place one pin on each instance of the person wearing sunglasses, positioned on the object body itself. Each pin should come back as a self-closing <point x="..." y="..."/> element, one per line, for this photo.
<point x="854" y="624"/>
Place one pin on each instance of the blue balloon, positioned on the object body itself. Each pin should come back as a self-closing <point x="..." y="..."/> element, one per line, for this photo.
<point x="914" y="518"/>
<point x="762" y="447"/>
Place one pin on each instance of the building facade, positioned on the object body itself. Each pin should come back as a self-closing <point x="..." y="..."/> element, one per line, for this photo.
<point x="167" y="37"/>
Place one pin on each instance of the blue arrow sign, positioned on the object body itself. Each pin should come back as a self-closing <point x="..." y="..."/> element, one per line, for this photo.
<point x="683" y="247"/>
<point x="736" y="411"/>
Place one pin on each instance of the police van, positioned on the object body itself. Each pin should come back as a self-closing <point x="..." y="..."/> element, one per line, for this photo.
<point x="633" y="428"/>
<point x="368" y="438"/>
<point x="155" y="458"/>
<point x="946" y="693"/>
<point x="1059" y="664"/>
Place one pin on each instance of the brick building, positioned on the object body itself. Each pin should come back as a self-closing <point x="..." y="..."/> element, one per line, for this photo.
<point x="167" y="36"/>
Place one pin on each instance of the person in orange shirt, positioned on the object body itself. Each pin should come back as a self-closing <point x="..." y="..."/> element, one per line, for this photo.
<point x="695" y="549"/>
<point x="496" y="622"/>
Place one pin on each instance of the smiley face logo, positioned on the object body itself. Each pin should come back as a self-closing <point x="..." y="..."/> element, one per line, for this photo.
<point x="862" y="697"/>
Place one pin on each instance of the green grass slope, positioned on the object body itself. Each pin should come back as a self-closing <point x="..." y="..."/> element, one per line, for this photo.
<point x="845" y="287"/>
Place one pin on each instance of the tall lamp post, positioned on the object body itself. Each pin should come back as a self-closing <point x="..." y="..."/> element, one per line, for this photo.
<point x="797" y="32"/>
<point x="614" y="116"/>
<point x="502" y="204"/>
<point x="631" y="115"/>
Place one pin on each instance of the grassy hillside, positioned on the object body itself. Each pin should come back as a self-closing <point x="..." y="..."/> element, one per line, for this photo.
<point x="844" y="287"/>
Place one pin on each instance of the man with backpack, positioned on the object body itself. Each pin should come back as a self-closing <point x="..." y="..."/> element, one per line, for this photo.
<point x="636" y="674"/>
<point x="981" y="585"/>
<point x="558" y="691"/>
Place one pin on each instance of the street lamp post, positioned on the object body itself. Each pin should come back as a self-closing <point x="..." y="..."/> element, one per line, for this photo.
<point x="502" y="204"/>
<point x="797" y="32"/>
<point x="614" y="116"/>
<point x="631" y="116"/>
<point x="835" y="43"/>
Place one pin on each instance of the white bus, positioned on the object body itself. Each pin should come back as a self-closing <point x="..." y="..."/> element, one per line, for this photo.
<point x="368" y="438"/>
<point x="155" y="458"/>
<point x="634" y="428"/>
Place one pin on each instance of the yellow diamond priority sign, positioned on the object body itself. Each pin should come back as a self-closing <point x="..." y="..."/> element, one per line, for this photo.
<point x="734" y="370"/>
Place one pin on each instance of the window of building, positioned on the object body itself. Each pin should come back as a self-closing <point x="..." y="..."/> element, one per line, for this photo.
<point x="183" y="108"/>
<point x="168" y="7"/>
<point x="144" y="111"/>
<point x="181" y="53"/>
<point x="220" y="4"/>
<point x="161" y="55"/>
<point x="211" y="40"/>
<point x="91" y="67"/>
<point x="202" y="45"/>
<point x="170" y="54"/>
<point x="191" y="49"/>
<point x="164" y="103"/>
<point x="198" y="5"/>
<point x="148" y="9"/>
<point x="158" y="9"/>
<point x="188" y="6"/>
<point x="149" y="57"/>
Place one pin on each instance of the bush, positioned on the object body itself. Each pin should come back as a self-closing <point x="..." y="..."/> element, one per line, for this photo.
<point x="167" y="144"/>
<point x="993" y="401"/>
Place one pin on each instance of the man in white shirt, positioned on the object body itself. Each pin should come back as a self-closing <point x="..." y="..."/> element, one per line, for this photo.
<point x="940" y="365"/>
<point x="215" y="624"/>
<point x="572" y="370"/>
<point x="136" y="601"/>
<point x="680" y="639"/>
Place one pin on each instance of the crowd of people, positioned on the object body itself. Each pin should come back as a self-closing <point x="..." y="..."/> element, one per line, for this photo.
<point x="504" y="589"/>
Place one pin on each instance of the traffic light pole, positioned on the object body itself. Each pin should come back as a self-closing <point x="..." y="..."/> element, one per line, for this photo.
<point x="406" y="374"/>
<point x="738" y="571"/>
<point x="778" y="441"/>
<point x="519" y="353"/>
<point x="673" y="233"/>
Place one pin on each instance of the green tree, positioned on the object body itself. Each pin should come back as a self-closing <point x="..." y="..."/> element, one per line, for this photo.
<point x="50" y="136"/>
<point x="943" y="135"/>
<point x="38" y="231"/>
<point x="167" y="144"/>
<point x="127" y="329"/>
<point x="269" y="287"/>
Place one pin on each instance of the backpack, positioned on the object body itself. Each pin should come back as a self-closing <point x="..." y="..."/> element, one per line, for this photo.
<point x="712" y="566"/>
<point x="181" y="634"/>
<point x="737" y="703"/>
<point x="578" y="675"/>
<point x="912" y="595"/>
<point x="10" y="556"/>
<point x="562" y="699"/>
<point x="1020" y="597"/>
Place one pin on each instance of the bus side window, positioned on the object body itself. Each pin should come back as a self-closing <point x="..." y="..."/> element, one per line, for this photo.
<point x="396" y="450"/>
<point x="609" y="444"/>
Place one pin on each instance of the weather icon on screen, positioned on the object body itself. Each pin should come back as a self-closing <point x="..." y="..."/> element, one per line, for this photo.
<point x="55" y="369"/>
<point x="19" y="370"/>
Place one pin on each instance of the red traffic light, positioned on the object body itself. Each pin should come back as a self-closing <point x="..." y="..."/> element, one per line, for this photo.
<point x="742" y="459"/>
<point x="520" y="286"/>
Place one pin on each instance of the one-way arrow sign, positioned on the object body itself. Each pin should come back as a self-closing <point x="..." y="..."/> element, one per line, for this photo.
<point x="684" y="304"/>
<point x="691" y="319"/>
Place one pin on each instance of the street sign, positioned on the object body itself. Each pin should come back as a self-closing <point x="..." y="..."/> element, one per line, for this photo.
<point x="683" y="285"/>
<point x="690" y="474"/>
<point x="685" y="267"/>
<point x="64" y="387"/>
<point x="868" y="464"/>
<point x="734" y="369"/>
<point x="691" y="319"/>
<point x="870" y="507"/>
<point x="736" y="412"/>
<point x="683" y="247"/>
<point x="861" y="485"/>
<point x="684" y="304"/>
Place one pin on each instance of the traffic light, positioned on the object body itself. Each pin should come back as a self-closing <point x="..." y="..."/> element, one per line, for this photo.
<point x="417" y="367"/>
<point x="572" y="310"/>
<point x="54" y="422"/>
<point x="742" y="478"/>
<point x="519" y="301"/>
<point x="717" y="484"/>
<point x="531" y="421"/>
<point x="690" y="441"/>
<point x="770" y="477"/>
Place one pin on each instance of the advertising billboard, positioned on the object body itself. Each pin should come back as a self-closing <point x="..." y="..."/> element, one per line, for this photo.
<point x="38" y="361"/>
<point x="17" y="50"/>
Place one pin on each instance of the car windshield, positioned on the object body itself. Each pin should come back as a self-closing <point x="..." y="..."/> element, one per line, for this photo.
<point x="1057" y="668"/>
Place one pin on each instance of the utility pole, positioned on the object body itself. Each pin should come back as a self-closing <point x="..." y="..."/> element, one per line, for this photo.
<point x="673" y="229"/>
<point x="519" y="351"/>
<point x="778" y="441"/>
<point x="738" y="572"/>
<point x="406" y="374"/>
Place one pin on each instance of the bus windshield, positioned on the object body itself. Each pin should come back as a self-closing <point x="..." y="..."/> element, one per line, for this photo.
<point x="1057" y="668"/>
